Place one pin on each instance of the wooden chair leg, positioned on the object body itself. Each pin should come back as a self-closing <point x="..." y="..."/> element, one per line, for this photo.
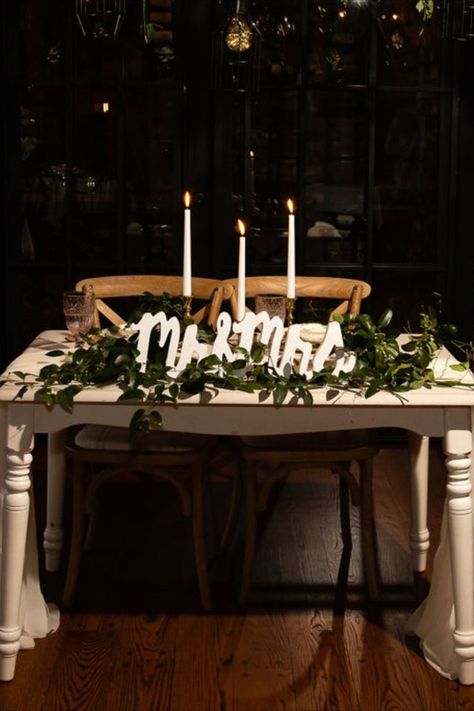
<point x="344" y="513"/>
<point x="369" y="554"/>
<point x="232" y="512"/>
<point x="77" y="534"/>
<point x="250" y="497"/>
<point x="199" y="534"/>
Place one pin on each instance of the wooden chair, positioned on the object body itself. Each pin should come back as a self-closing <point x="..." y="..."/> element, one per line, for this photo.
<point x="179" y="459"/>
<point x="269" y="459"/>
<point x="211" y="291"/>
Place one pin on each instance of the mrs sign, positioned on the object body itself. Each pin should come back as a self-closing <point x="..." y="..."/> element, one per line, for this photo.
<point x="286" y="347"/>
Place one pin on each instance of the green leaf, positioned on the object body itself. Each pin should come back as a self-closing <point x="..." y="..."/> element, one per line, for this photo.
<point x="257" y="351"/>
<point x="460" y="367"/>
<point x="136" y="422"/>
<point x="21" y="391"/>
<point x="385" y="318"/>
<point x="193" y="387"/>
<point x="19" y="374"/>
<point x="373" y="388"/>
<point x="239" y="364"/>
<point x="55" y="354"/>
<point x="173" y="390"/>
<point x="279" y="394"/>
<point x="132" y="395"/>
<point x="65" y="399"/>
<point x="155" y="419"/>
<point x="209" y="361"/>
<point x="122" y="358"/>
<point x="45" y="395"/>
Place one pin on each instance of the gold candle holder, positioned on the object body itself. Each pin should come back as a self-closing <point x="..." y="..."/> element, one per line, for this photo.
<point x="187" y="301"/>
<point x="290" y="308"/>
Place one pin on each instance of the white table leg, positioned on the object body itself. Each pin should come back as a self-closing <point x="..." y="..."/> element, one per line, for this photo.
<point x="419" y="533"/>
<point x="458" y="442"/>
<point x="16" y="502"/>
<point x="53" y="533"/>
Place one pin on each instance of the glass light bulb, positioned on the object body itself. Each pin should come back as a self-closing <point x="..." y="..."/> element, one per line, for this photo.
<point x="238" y="36"/>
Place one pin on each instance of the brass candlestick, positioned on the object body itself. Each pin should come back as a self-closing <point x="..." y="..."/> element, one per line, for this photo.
<point x="187" y="301"/>
<point x="290" y="308"/>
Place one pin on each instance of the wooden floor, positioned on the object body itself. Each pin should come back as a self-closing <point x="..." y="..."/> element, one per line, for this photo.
<point x="308" y="641"/>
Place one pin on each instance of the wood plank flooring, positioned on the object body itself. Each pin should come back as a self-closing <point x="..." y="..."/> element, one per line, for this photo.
<point x="136" y="639"/>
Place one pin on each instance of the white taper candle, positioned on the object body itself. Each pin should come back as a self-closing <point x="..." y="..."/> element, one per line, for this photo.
<point x="187" y="288"/>
<point x="241" y="279"/>
<point x="290" y="289"/>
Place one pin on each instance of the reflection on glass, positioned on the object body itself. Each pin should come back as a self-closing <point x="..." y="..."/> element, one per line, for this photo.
<point x="336" y="174"/>
<point x="404" y="293"/>
<point x="338" y="42"/>
<point x="406" y="177"/>
<point x="408" y="47"/>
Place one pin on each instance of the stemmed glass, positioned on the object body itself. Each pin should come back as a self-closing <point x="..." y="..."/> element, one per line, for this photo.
<point x="78" y="308"/>
<point x="273" y="305"/>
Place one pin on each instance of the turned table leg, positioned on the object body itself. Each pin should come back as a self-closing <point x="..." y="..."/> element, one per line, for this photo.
<point x="419" y="533"/>
<point x="18" y="437"/>
<point x="458" y="442"/>
<point x="53" y="533"/>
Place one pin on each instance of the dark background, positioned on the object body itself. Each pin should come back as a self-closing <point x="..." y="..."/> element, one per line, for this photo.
<point x="363" y="117"/>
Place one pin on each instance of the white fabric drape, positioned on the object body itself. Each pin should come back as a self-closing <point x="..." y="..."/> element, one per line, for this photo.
<point x="433" y="620"/>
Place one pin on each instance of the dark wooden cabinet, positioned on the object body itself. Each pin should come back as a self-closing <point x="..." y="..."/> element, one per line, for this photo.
<point x="356" y="118"/>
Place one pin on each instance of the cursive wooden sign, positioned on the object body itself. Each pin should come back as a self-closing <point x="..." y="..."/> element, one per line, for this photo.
<point x="285" y="347"/>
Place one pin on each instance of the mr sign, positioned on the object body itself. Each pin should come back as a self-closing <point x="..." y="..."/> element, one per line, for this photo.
<point x="286" y="348"/>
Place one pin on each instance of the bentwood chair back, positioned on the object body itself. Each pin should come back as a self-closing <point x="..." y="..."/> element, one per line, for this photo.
<point x="210" y="291"/>
<point x="269" y="459"/>
<point x="100" y="453"/>
<point x="347" y="292"/>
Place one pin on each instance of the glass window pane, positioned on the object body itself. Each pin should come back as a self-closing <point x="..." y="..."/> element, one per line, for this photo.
<point x="280" y="26"/>
<point x="43" y="171"/>
<point x="152" y="164"/>
<point x="150" y="38"/>
<point x="406" y="293"/>
<point x="335" y="176"/>
<point x="273" y="177"/>
<point x="338" y="42"/>
<point x="406" y="177"/>
<point x="43" y="45"/>
<point x="41" y="301"/>
<point x="408" y="47"/>
<point x="94" y="181"/>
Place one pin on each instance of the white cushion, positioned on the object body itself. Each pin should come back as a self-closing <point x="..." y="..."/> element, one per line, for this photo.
<point x="118" y="439"/>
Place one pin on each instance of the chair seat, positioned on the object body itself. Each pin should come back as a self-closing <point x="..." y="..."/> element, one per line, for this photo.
<point x="101" y="437"/>
<point x="320" y="441"/>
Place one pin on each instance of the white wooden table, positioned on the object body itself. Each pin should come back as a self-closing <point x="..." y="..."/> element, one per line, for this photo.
<point x="442" y="412"/>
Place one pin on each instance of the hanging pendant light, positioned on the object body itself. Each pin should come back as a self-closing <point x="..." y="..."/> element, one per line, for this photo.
<point x="237" y="51"/>
<point x="100" y="18"/>
<point x="238" y="34"/>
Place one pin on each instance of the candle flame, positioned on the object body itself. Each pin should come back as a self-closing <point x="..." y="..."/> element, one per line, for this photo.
<point x="291" y="206"/>
<point x="187" y="199"/>
<point x="241" y="227"/>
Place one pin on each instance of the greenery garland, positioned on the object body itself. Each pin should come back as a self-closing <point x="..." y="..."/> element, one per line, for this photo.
<point x="109" y="357"/>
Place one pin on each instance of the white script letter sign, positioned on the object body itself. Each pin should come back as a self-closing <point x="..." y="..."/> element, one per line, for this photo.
<point x="283" y="347"/>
